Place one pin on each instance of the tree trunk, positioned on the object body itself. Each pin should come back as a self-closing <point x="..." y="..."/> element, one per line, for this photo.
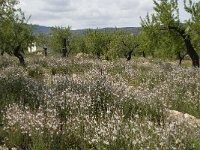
<point x="190" y="49"/>
<point x="180" y="57"/>
<point x="64" y="49"/>
<point x="129" y="55"/>
<point x="64" y="52"/>
<point x="107" y="58"/>
<point x="68" y="50"/>
<point x="17" y="54"/>
<point x="98" y="53"/>
<point x="2" y="53"/>
<point x="45" y="51"/>
<point x="192" y="53"/>
<point x="143" y="54"/>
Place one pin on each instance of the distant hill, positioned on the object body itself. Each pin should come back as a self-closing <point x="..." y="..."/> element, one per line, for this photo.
<point x="47" y="30"/>
<point x="41" y="29"/>
<point x="134" y="30"/>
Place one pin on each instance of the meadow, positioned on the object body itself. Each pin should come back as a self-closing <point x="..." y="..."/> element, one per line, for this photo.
<point x="80" y="103"/>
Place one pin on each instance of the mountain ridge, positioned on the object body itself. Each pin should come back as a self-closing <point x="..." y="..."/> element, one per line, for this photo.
<point x="47" y="30"/>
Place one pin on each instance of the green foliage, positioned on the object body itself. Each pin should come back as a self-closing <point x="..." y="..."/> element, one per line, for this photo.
<point x="123" y="43"/>
<point x="70" y="69"/>
<point x="35" y="72"/>
<point x="78" y="44"/>
<point x="98" y="43"/>
<point x="16" y="90"/>
<point x="101" y="98"/>
<point x="163" y="41"/>
<point x="110" y="45"/>
<point x="193" y="143"/>
<point x="22" y="140"/>
<point x="149" y="34"/>
<point x="193" y="24"/>
<point x="167" y="12"/>
<point x="42" y="40"/>
<point x="57" y="36"/>
<point x="14" y="29"/>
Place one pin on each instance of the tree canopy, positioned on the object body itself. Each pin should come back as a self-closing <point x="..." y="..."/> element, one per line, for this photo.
<point x="60" y="38"/>
<point x="14" y="30"/>
<point x="164" y="28"/>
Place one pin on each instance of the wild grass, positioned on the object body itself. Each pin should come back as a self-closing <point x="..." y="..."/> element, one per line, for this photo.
<point x="80" y="103"/>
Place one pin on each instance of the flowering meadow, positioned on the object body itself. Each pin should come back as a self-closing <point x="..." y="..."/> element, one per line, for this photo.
<point x="81" y="103"/>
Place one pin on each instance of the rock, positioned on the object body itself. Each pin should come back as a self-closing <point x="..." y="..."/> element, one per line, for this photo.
<point x="3" y="147"/>
<point x="180" y="117"/>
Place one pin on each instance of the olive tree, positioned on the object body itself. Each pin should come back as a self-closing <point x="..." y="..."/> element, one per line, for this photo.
<point x="15" y="33"/>
<point x="165" y="22"/>
<point x="60" y="40"/>
<point x="98" y="43"/>
<point x="43" y="41"/>
<point x="124" y="44"/>
<point x="78" y="44"/>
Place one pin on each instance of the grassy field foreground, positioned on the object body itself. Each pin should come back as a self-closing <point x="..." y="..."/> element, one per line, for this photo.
<point x="78" y="103"/>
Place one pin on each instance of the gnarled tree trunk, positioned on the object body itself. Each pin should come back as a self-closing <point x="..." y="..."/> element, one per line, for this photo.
<point x="17" y="54"/>
<point x="129" y="55"/>
<point x="143" y="54"/>
<point x="98" y="53"/>
<point x="180" y="57"/>
<point x="190" y="49"/>
<point x="192" y="53"/>
<point x="45" y="51"/>
<point x="64" y="49"/>
<point x="2" y="53"/>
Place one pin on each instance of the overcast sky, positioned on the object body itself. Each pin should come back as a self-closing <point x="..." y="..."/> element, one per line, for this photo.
<point x="81" y="14"/>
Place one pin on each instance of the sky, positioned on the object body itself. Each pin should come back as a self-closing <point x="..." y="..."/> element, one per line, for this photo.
<point x="80" y="14"/>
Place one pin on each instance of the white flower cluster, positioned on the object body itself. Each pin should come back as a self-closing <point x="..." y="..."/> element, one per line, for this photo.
<point x="109" y="105"/>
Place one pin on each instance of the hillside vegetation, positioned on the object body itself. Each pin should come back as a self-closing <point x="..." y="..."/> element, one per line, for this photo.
<point x="38" y="29"/>
<point x="101" y="89"/>
<point x="83" y="103"/>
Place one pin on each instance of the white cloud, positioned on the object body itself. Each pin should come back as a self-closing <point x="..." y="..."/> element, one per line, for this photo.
<point x="87" y="13"/>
